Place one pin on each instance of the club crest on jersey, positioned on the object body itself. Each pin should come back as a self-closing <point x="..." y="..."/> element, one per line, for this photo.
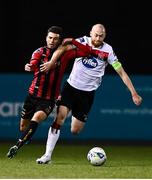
<point x="90" y="62"/>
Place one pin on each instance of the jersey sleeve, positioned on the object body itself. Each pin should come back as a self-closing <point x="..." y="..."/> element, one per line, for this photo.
<point x="36" y="57"/>
<point x="68" y="55"/>
<point x="80" y="51"/>
<point x="85" y="48"/>
<point x="112" y="58"/>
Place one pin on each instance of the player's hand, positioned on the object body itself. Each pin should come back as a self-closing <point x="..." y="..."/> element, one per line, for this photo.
<point x="137" y="99"/>
<point x="28" y="67"/>
<point x="46" y="67"/>
<point x="66" y="41"/>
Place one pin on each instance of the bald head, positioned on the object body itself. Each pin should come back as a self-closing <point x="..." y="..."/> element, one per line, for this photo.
<point x="98" y="27"/>
<point x="97" y="34"/>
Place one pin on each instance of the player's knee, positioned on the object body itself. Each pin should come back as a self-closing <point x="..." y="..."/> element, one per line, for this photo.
<point x="62" y="115"/>
<point x="75" y="131"/>
<point x="60" y="121"/>
<point x="60" y="118"/>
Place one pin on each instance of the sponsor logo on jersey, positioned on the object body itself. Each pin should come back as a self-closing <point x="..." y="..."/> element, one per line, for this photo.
<point x="90" y="62"/>
<point x="81" y="39"/>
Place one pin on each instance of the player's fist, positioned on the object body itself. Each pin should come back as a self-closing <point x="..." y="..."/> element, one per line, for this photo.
<point x="28" y="67"/>
<point x="137" y="99"/>
<point x="66" y="41"/>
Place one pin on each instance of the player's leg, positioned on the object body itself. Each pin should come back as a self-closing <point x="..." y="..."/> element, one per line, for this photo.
<point x="76" y="125"/>
<point x="28" y="132"/>
<point x="82" y="106"/>
<point x="63" y="109"/>
<point x="42" y="109"/>
<point x="54" y="131"/>
<point x="26" y="114"/>
<point x="24" y="123"/>
<point x="26" y="136"/>
<point x="65" y="105"/>
<point x="53" y="134"/>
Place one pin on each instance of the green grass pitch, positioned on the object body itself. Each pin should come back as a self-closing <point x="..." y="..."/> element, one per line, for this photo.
<point x="69" y="161"/>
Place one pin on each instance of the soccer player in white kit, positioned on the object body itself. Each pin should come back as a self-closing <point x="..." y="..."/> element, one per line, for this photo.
<point x="78" y="93"/>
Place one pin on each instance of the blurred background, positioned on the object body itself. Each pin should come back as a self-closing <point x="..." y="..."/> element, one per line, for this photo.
<point x="113" y="117"/>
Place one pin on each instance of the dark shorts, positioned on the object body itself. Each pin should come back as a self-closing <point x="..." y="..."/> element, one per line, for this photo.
<point x="78" y="101"/>
<point x="32" y="105"/>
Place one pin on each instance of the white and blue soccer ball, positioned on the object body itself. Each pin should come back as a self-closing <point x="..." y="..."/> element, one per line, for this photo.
<point x="97" y="156"/>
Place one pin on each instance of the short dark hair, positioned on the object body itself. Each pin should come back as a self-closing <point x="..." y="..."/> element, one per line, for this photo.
<point x="57" y="30"/>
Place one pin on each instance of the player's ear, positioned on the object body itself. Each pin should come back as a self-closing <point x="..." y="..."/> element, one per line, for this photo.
<point x="90" y="33"/>
<point x="104" y="35"/>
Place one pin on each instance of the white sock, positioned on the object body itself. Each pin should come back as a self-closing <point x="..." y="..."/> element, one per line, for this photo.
<point x="51" y="141"/>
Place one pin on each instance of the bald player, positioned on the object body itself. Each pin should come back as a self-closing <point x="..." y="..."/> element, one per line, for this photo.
<point x="86" y="76"/>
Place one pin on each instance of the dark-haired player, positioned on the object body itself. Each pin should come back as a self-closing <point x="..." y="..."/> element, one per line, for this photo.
<point x="45" y="87"/>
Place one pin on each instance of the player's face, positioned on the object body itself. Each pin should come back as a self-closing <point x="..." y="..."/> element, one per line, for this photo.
<point x="52" y="40"/>
<point x="97" y="36"/>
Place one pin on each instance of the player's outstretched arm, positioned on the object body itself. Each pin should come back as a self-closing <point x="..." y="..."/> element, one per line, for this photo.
<point x="85" y="48"/>
<point x="137" y="99"/>
<point x="53" y="61"/>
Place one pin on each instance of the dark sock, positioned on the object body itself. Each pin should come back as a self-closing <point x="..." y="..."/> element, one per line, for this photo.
<point x="27" y="135"/>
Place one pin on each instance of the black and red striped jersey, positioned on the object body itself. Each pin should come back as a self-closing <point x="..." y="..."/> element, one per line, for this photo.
<point x="47" y="85"/>
<point x="44" y="85"/>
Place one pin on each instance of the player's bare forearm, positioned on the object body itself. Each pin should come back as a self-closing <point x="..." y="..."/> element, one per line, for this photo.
<point x="53" y="61"/>
<point x="137" y="99"/>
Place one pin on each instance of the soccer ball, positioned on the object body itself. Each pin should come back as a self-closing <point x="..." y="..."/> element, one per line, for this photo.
<point x="97" y="156"/>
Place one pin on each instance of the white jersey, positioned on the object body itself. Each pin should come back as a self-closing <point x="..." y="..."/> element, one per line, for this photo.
<point x="87" y="72"/>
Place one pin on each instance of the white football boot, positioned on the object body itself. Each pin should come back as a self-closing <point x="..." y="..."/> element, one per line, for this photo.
<point x="43" y="160"/>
